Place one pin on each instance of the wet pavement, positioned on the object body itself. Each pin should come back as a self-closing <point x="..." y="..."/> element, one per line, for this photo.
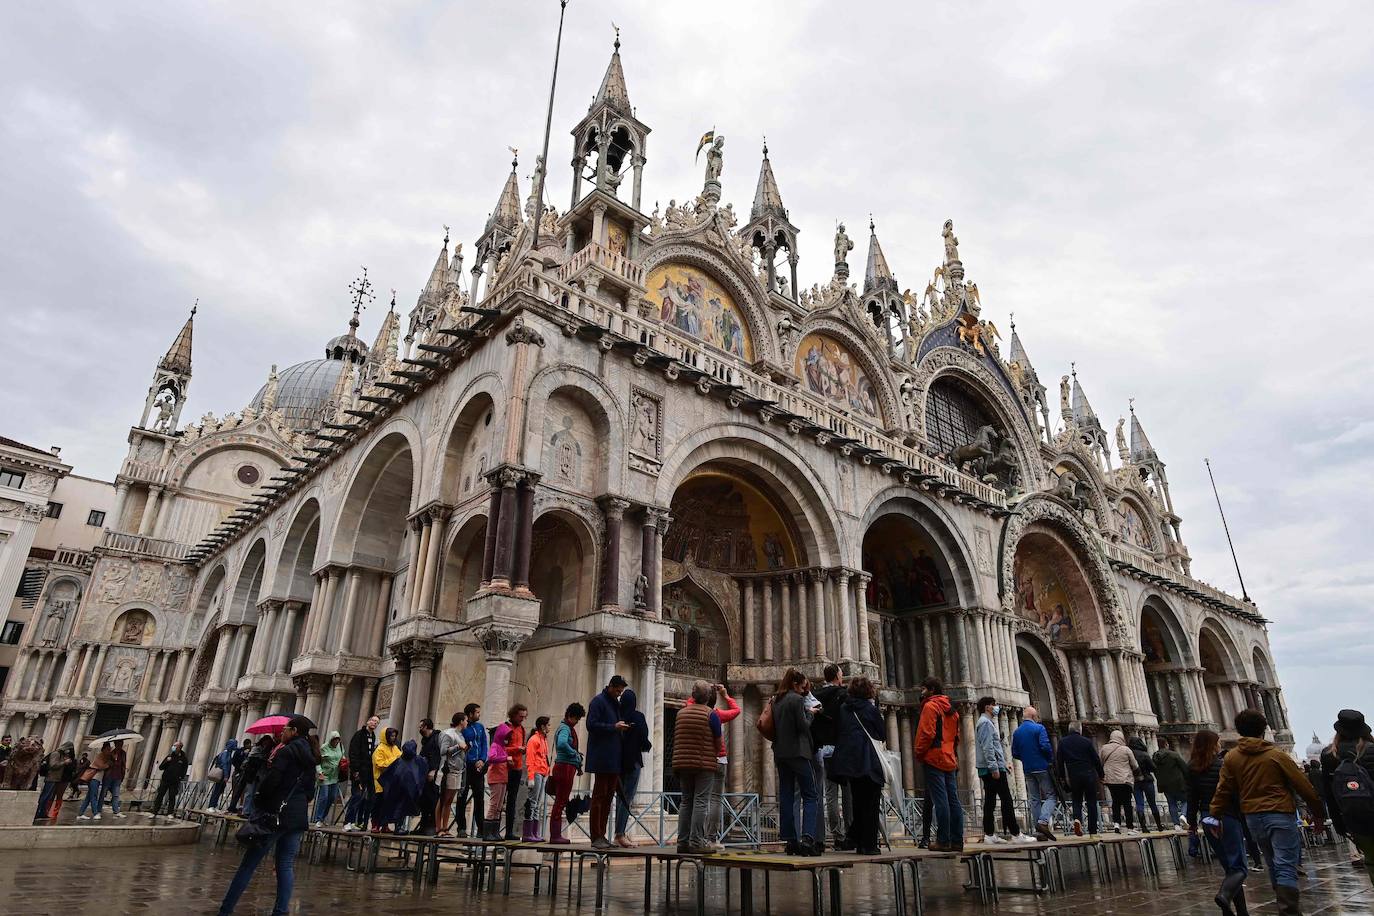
<point x="191" y="879"/>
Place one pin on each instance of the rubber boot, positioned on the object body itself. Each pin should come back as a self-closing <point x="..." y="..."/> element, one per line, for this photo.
<point x="1289" y="904"/>
<point x="1226" y="894"/>
<point x="1238" y="902"/>
<point x="556" y="831"/>
<point x="529" y="832"/>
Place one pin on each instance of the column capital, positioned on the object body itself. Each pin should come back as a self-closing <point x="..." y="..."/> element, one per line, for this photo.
<point x="613" y="506"/>
<point x="169" y="720"/>
<point x="343" y="681"/>
<point x="421" y="653"/>
<point x="657" y="517"/>
<point x="652" y="653"/>
<point x="607" y="647"/>
<point x="500" y="643"/>
<point x="504" y="476"/>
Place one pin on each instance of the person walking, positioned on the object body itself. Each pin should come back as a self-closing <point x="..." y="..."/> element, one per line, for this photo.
<point x="238" y="764"/>
<point x="388" y="749"/>
<point x="284" y="795"/>
<point x="1264" y="780"/>
<point x="1030" y="744"/>
<point x="474" y="770"/>
<point x="253" y="769"/>
<point x="1120" y="771"/>
<point x="362" y="786"/>
<point x="567" y="766"/>
<point x="855" y="762"/>
<point x="56" y="771"/>
<point x="991" y="762"/>
<point x="1081" y="769"/>
<point x="793" y="754"/>
<point x="1350" y="759"/>
<point x="605" y="729"/>
<point x="937" y="737"/>
<point x="331" y="755"/>
<point x="696" y="741"/>
<point x="429" y="795"/>
<point x="172" y="770"/>
<point x="839" y="814"/>
<point x="1171" y="778"/>
<point x="1145" y="790"/>
<point x="1224" y="833"/>
<point x="453" y="748"/>
<point x="95" y="776"/>
<point x="634" y="745"/>
<point x="537" y="770"/>
<point x="224" y="762"/>
<point x="505" y="771"/>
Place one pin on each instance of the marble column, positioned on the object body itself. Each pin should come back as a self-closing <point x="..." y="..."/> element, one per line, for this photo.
<point x="524" y="533"/>
<point x="177" y="693"/>
<point x="894" y="738"/>
<point x="368" y="707"/>
<point x="506" y="479"/>
<point x="438" y="526"/>
<point x="766" y="620"/>
<point x="352" y="595"/>
<point x="150" y="757"/>
<point x="907" y="746"/>
<point x="418" y="695"/>
<point x="861" y="581"/>
<point x="116" y="516"/>
<point x="73" y="653"/>
<point x="805" y="649"/>
<point x="262" y="636"/>
<point x="489" y="536"/>
<point x="380" y="616"/>
<point x="149" y="520"/>
<point x="963" y="650"/>
<point x="748" y="623"/>
<point x="818" y="577"/>
<point x="500" y="647"/>
<point x="785" y="652"/>
<point x="148" y="671"/>
<point x="289" y="619"/>
<point x="651" y="558"/>
<point x="614" y="509"/>
<point x="647" y="690"/>
<point x="846" y="623"/>
<point x="338" y="695"/>
<point x="927" y="646"/>
<point x="205" y="744"/>
<point x="223" y="639"/>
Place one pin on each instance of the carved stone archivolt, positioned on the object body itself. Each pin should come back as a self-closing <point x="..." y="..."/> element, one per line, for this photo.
<point x="1047" y="509"/>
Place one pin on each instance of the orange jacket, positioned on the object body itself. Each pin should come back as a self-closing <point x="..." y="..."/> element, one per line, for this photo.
<point x="945" y="756"/>
<point x="537" y="752"/>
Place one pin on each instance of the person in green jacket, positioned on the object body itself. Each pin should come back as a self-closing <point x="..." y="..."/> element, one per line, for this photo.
<point x="1171" y="778"/>
<point x="327" y="778"/>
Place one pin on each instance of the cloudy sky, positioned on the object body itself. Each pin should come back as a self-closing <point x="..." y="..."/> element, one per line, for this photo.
<point x="1175" y="196"/>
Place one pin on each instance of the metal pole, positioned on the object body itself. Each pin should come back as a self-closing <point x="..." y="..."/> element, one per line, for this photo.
<point x="1244" y="596"/>
<point x="548" y="126"/>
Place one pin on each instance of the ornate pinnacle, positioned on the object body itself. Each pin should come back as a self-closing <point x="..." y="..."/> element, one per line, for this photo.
<point x="361" y="290"/>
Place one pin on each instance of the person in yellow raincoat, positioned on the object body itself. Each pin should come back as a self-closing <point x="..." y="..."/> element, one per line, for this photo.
<point x="387" y="751"/>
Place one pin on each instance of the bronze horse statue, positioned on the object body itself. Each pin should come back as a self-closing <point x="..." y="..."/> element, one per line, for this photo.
<point x="976" y="453"/>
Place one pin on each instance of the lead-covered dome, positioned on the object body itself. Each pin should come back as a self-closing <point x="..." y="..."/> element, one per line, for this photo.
<point x="303" y="392"/>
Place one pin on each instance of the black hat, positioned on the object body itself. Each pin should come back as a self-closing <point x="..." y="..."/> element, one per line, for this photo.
<point x="301" y="724"/>
<point x="1350" y="723"/>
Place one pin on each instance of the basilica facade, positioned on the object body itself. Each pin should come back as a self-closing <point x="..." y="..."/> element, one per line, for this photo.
<point x="632" y="442"/>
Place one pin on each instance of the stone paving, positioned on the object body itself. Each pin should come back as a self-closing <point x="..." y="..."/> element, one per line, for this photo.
<point x="192" y="879"/>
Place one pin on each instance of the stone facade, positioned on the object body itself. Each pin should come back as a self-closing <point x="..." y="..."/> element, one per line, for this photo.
<point x="630" y="444"/>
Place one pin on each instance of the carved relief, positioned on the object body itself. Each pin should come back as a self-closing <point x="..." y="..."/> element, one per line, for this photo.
<point x="647" y="435"/>
<point x="123" y="674"/>
<point x="113" y="581"/>
<point x="982" y="550"/>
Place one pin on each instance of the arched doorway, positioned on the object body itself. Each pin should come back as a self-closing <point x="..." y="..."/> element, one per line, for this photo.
<point x="1218" y="678"/>
<point x="1040" y="678"/>
<point x="1165" y="661"/>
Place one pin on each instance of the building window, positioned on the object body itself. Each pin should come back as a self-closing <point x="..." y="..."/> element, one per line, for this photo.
<point x="96" y="519"/>
<point x="10" y="633"/>
<point x="54" y="510"/>
<point x="109" y="716"/>
<point x="953" y="416"/>
<point x="13" y="479"/>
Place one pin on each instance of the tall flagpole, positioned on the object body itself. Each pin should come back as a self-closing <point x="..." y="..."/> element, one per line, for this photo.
<point x="1227" y="528"/>
<point x="548" y="126"/>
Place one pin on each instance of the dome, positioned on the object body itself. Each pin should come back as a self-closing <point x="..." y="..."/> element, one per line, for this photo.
<point x="303" y="392"/>
<point x="1314" y="750"/>
<point x="346" y="346"/>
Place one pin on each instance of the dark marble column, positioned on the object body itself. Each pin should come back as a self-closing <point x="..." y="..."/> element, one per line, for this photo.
<point x="505" y="478"/>
<point x="489" y="545"/>
<point x="614" y="508"/>
<point x="651" y="551"/>
<point x="524" y="532"/>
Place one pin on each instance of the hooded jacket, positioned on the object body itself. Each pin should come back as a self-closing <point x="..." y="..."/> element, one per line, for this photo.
<point x="1202" y="785"/>
<point x="287" y="785"/>
<point x="537" y="755"/>
<point x="988" y="753"/>
<point x="944" y="755"/>
<point x="60" y="763"/>
<point x="1264" y="779"/>
<point x="860" y="724"/>
<point x="1343" y="747"/>
<point x="1119" y="767"/>
<point x="793" y="725"/>
<point x="1171" y="771"/>
<point x="1144" y="765"/>
<point x="224" y="758"/>
<point x="635" y="741"/>
<point x="603" y="738"/>
<point x="330" y="755"/>
<point x="382" y="758"/>
<point x="401" y="783"/>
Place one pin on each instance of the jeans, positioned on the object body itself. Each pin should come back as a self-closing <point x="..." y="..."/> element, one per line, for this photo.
<point x="714" y="812"/>
<point x="112" y="787"/>
<point x="363" y="791"/>
<point x="943" y="789"/>
<point x="694" y="811"/>
<point x="1145" y="794"/>
<point x="1040" y="796"/>
<point x="839" y="798"/>
<point x="215" y="793"/>
<point x="325" y="797"/>
<point x="867" y="797"/>
<point x="562" y="776"/>
<point x="603" y="790"/>
<point x="1280" y="838"/>
<point x="794" y="778"/>
<point x="1085" y="788"/>
<point x="625" y="796"/>
<point x="1121" y="804"/>
<point x="250" y="792"/>
<point x="515" y="789"/>
<point x="1178" y="804"/>
<point x="994" y="789"/>
<point x="537" y="803"/>
<point x="94" y="791"/>
<point x="473" y="784"/>
<point x="50" y="791"/>
<point x="1229" y="848"/>
<point x="286" y="844"/>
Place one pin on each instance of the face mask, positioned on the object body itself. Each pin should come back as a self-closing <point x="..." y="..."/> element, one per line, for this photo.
<point x="996" y="710"/>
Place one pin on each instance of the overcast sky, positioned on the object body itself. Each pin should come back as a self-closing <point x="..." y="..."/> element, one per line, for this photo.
<point x="1175" y="196"/>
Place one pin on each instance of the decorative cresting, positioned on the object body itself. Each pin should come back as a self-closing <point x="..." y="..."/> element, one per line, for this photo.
<point x="861" y="349"/>
<point x="748" y="294"/>
<point x="1042" y="507"/>
<point x="944" y="361"/>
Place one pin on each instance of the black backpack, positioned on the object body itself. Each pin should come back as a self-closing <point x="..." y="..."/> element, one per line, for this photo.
<point x="1353" y="790"/>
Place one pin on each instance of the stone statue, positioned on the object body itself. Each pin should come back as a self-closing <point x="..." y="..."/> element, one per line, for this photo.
<point x="52" y="627"/>
<point x="975" y="454"/>
<point x="165" y="405"/>
<point x="1073" y="491"/>
<point x="1121" y="448"/>
<point x="715" y="159"/>
<point x="782" y="285"/>
<point x="843" y="246"/>
<point x="269" y="395"/>
<point x="532" y="204"/>
<point x="641" y="592"/>
<point x="951" y="243"/>
<point x="122" y="678"/>
<point x="1064" y="396"/>
<point x="132" y="634"/>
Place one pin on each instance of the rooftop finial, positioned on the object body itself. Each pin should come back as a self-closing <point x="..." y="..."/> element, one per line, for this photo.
<point x="361" y="289"/>
<point x="446" y="235"/>
<point x="514" y="157"/>
<point x="1130" y="402"/>
<point x="1012" y="317"/>
<point x="617" y="35"/>
<point x="765" y="146"/>
<point x="872" y="229"/>
<point x="195" y="306"/>
<point x="393" y="300"/>
<point x="1073" y="370"/>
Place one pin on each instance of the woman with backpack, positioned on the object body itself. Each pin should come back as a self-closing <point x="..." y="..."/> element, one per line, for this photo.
<point x="1120" y="772"/>
<point x="1348" y="765"/>
<point x="1145" y="792"/>
<point x="1225" y="834"/>
<point x="856" y="761"/>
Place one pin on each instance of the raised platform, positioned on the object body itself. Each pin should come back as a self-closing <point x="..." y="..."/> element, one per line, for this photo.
<point x="104" y="835"/>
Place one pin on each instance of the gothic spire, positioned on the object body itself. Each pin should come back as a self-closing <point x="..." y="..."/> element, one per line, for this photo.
<point x="507" y="213"/>
<point x="1082" y="411"/>
<point x="384" y="347"/>
<point x="178" y="358"/>
<point x="613" y="93"/>
<point x="440" y="274"/>
<point x="1141" y="449"/>
<point x="877" y="273"/>
<point x="1018" y="352"/>
<point x="767" y="197"/>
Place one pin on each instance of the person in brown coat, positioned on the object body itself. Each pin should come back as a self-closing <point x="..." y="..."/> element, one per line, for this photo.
<point x="696" y="737"/>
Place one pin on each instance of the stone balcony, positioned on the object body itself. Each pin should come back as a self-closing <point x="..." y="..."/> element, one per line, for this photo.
<point x="142" y="545"/>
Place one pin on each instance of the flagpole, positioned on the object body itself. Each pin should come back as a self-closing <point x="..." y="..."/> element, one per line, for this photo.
<point x="1244" y="596"/>
<point x="548" y="126"/>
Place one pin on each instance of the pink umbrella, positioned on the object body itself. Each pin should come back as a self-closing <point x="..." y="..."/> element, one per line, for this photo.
<point x="268" y="725"/>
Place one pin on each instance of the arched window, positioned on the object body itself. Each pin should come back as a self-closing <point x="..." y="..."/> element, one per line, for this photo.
<point x="953" y="415"/>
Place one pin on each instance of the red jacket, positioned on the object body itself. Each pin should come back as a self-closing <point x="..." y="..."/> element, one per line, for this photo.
<point x="945" y="756"/>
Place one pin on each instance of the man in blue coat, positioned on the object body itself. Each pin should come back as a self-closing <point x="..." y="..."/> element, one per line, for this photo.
<point x="1030" y="744"/>
<point x="604" y="754"/>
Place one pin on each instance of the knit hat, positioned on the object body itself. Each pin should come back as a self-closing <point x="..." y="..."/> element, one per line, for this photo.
<point x="1350" y="723"/>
